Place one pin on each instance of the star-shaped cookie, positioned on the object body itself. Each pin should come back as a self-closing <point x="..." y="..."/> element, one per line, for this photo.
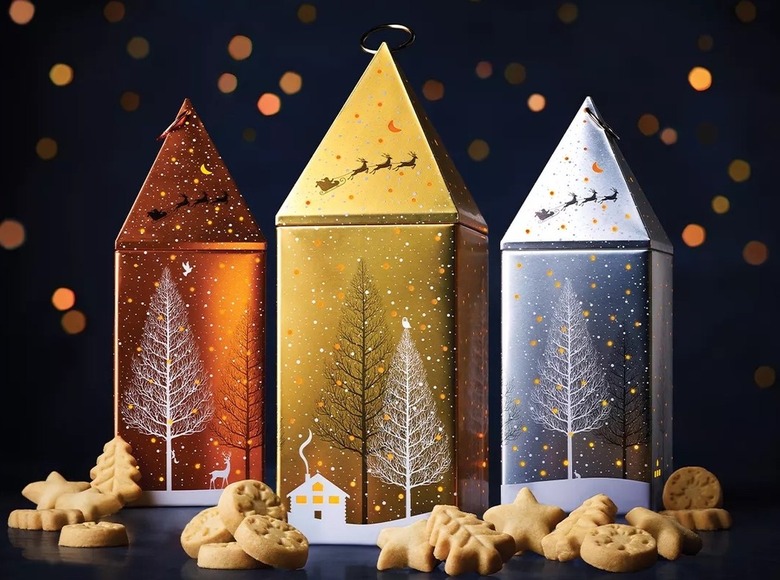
<point x="45" y="493"/>
<point x="91" y="502"/>
<point x="526" y="520"/>
<point x="406" y="547"/>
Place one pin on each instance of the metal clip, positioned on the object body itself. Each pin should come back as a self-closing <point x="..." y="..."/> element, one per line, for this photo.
<point x="600" y="122"/>
<point x="404" y="44"/>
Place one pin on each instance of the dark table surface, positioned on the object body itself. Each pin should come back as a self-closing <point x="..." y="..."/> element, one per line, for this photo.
<point x="749" y="550"/>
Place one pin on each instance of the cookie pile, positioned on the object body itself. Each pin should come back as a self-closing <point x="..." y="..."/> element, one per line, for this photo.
<point x="246" y="529"/>
<point x="693" y="496"/>
<point x="692" y="499"/>
<point x="75" y="508"/>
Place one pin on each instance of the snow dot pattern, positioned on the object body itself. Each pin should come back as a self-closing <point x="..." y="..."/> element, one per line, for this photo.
<point x="619" y="548"/>
<point x="273" y="542"/>
<point x="692" y="488"/>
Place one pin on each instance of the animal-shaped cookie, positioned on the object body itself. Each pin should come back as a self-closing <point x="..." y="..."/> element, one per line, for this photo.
<point x="673" y="539"/>
<point x="406" y="547"/>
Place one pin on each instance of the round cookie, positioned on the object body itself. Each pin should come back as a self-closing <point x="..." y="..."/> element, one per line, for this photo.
<point x="272" y="541"/>
<point x="206" y="527"/>
<point x="248" y="497"/>
<point x="226" y="556"/>
<point x="93" y="535"/>
<point x="619" y="548"/>
<point x="692" y="488"/>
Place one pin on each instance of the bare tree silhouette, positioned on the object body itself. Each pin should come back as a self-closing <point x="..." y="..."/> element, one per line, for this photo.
<point x="571" y="395"/>
<point x="511" y="414"/>
<point x="410" y="449"/>
<point x="355" y="378"/>
<point x="628" y="422"/>
<point x="169" y="395"/>
<point x="239" y="419"/>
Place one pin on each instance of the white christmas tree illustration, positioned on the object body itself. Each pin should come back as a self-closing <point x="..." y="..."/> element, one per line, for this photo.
<point x="169" y="396"/>
<point x="409" y="449"/>
<point x="570" y="396"/>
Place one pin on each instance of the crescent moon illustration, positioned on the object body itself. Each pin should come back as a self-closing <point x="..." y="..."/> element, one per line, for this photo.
<point x="203" y="170"/>
<point x="596" y="167"/>
<point x="392" y="127"/>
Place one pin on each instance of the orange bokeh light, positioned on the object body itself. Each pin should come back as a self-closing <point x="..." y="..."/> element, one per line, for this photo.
<point x="269" y="104"/>
<point x="63" y="298"/>
<point x="755" y="253"/>
<point x="694" y="235"/>
<point x="12" y="234"/>
<point x="21" y="11"/>
<point x="74" y="321"/>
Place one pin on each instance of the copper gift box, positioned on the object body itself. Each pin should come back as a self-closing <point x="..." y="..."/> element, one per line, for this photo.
<point x="586" y="339"/>
<point x="382" y="324"/>
<point x="190" y="325"/>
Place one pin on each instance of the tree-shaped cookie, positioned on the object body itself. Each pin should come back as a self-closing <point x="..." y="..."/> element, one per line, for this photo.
<point x="467" y="543"/>
<point x="117" y="471"/>
<point x="564" y="542"/>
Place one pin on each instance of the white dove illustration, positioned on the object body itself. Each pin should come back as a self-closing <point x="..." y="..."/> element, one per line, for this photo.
<point x="405" y="322"/>
<point x="187" y="268"/>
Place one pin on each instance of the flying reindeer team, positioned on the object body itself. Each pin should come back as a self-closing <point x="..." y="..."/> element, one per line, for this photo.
<point x="543" y="213"/>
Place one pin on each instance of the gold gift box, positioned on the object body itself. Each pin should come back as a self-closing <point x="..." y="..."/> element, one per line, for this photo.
<point x="189" y="337"/>
<point x="382" y="323"/>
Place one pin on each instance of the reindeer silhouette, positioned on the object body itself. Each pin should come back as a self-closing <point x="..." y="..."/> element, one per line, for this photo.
<point x="612" y="197"/>
<point x="411" y="163"/>
<point x="386" y="164"/>
<point x="572" y="201"/>
<point x="362" y="169"/>
<point x="204" y="198"/>
<point x="591" y="197"/>
<point x="183" y="202"/>
<point x="157" y="214"/>
<point x="221" y="198"/>
<point x="221" y="474"/>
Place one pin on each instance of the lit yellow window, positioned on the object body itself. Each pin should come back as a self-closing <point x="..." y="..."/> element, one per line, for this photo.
<point x="317" y="486"/>
<point x="300" y="499"/>
<point x="316" y="499"/>
<point x="333" y="499"/>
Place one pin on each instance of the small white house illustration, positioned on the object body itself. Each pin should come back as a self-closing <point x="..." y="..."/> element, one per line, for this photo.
<point x="317" y="500"/>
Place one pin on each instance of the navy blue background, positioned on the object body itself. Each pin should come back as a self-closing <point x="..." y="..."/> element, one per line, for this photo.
<point x="630" y="57"/>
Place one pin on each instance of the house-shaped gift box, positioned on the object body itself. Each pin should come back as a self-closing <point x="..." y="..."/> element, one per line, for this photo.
<point x="586" y="338"/>
<point x="189" y="351"/>
<point x="382" y="319"/>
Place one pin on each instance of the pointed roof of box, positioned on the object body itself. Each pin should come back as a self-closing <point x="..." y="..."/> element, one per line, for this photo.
<point x="381" y="162"/>
<point x="586" y="196"/>
<point x="189" y="199"/>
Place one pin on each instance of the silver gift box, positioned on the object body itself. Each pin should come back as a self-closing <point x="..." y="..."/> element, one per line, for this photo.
<point x="586" y="305"/>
